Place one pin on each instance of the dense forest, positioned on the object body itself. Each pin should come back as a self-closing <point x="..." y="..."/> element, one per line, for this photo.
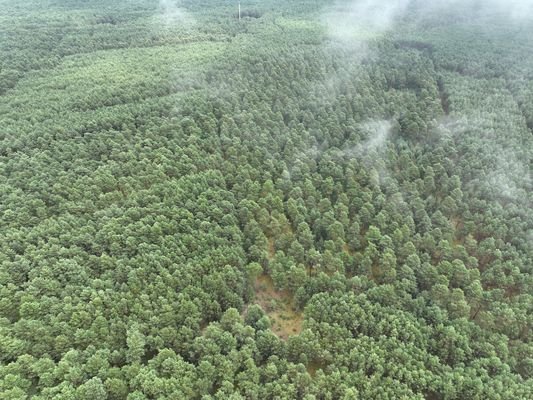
<point x="314" y="199"/>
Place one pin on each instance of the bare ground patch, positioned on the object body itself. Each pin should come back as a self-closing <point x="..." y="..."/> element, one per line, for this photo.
<point x="285" y="319"/>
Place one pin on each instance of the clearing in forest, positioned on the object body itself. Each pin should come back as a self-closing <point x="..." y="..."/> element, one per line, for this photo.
<point x="285" y="319"/>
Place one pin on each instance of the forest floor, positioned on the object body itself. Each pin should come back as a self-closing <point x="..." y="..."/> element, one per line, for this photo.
<point x="279" y="306"/>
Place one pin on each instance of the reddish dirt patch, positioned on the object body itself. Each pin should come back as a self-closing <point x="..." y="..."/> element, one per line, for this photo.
<point x="314" y="366"/>
<point x="271" y="249"/>
<point x="347" y="250"/>
<point x="285" y="319"/>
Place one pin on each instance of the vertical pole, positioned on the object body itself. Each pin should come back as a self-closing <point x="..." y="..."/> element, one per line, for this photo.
<point x="239" y="10"/>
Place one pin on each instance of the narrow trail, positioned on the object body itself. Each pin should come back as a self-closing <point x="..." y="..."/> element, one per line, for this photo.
<point x="443" y="95"/>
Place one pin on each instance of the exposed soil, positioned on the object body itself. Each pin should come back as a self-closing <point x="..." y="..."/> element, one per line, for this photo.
<point x="285" y="319"/>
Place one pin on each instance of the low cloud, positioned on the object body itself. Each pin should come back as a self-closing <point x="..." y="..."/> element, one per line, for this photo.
<point x="170" y="14"/>
<point x="376" y="136"/>
<point x="378" y="133"/>
<point x="360" y="20"/>
<point x="355" y="22"/>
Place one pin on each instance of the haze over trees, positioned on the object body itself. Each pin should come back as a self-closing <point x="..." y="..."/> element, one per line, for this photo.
<point x="322" y="200"/>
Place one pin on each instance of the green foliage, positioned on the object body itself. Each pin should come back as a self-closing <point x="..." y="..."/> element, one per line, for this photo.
<point x="157" y="159"/>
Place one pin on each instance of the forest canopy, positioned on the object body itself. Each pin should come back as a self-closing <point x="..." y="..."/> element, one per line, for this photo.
<point x="323" y="199"/>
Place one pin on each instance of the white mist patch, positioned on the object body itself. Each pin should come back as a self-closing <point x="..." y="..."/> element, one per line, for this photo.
<point x="378" y="134"/>
<point x="508" y="9"/>
<point x="509" y="179"/>
<point x="515" y="9"/>
<point x="357" y="21"/>
<point x="170" y="14"/>
<point x="506" y="175"/>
